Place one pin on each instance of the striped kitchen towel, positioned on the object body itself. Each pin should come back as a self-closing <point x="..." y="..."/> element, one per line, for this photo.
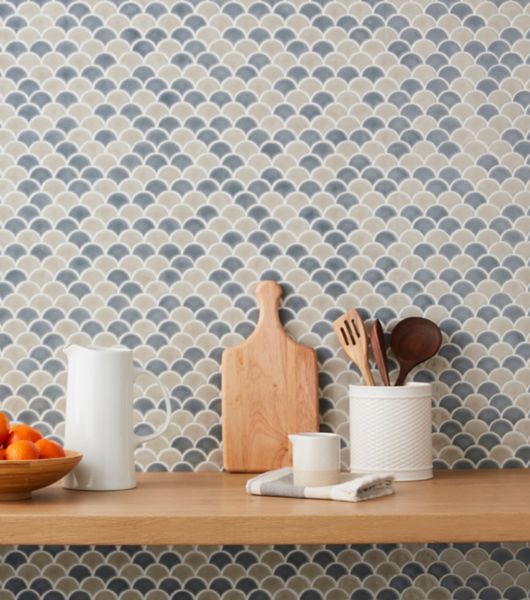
<point x="354" y="487"/>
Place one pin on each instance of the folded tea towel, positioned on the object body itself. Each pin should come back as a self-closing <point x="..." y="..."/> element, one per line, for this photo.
<point x="354" y="487"/>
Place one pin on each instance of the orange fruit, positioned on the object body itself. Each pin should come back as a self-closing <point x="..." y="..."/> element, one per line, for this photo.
<point x="22" y="450"/>
<point x="4" y="427"/>
<point x="2" y="454"/>
<point x="22" y="432"/>
<point x="49" y="449"/>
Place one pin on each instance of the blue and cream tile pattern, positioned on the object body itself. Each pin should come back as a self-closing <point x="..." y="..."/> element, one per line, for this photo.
<point x="385" y="572"/>
<point x="157" y="158"/>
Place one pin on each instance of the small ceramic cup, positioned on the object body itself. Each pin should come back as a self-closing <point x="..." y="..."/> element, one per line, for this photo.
<point x="316" y="458"/>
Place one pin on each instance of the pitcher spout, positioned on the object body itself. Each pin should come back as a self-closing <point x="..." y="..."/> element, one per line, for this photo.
<point x="100" y="351"/>
<point x="72" y="349"/>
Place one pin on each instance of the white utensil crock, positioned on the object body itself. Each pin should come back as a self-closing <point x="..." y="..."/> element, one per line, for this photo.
<point x="99" y="417"/>
<point x="316" y="458"/>
<point x="390" y="430"/>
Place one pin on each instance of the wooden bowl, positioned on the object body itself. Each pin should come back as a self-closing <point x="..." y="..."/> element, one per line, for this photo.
<point x="18" y="478"/>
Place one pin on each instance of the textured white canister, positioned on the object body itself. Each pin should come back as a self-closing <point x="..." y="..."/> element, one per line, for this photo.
<point x="390" y="430"/>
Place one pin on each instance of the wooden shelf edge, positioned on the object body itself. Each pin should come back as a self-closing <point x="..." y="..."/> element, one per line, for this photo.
<point x="213" y="508"/>
<point x="94" y="531"/>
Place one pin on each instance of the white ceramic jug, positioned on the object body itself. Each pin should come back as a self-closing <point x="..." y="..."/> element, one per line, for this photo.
<point x="99" y="417"/>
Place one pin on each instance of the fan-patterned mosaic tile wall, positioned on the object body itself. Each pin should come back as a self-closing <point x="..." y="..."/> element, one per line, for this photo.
<point x="386" y="572"/>
<point x="157" y="158"/>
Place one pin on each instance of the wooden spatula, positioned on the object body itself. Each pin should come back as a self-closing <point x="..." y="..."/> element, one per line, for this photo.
<point x="377" y="342"/>
<point x="352" y="336"/>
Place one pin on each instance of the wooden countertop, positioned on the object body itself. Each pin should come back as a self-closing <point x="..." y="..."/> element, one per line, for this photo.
<point x="213" y="508"/>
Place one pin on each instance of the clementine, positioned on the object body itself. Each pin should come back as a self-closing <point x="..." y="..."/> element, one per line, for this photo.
<point x="22" y="432"/>
<point x="49" y="449"/>
<point x="22" y="450"/>
<point x="4" y="427"/>
<point x="2" y="454"/>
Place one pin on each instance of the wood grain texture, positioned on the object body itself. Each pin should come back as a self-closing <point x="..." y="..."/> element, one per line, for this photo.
<point x="377" y="343"/>
<point x="351" y="333"/>
<point x="413" y="341"/>
<point x="18" y="478"/>
<point x="269" y="389"/>
<point x="213" y="508"/>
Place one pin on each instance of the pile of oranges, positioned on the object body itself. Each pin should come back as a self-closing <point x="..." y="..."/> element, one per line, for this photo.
<point x="22" y="442"/>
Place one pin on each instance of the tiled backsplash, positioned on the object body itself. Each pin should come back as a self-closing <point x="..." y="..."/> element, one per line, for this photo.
<point x="388" y="572"/>
<point x="158" y="158"/>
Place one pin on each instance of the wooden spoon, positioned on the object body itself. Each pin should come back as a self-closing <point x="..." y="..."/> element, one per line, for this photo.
<point x="377" y="341"/>
<point x="414" y="340"/>
<point x="352" y="336"/>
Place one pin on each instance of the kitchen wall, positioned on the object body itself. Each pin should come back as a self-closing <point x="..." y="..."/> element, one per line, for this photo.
<point x="158" y="158"/>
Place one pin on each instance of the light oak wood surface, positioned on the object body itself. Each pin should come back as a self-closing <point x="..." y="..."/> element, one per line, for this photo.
<point x="269" y="389"/>
<point x="213" y="508"/>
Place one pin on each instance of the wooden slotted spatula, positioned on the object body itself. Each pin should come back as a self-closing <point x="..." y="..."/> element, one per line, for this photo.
<point x="352" y="336"/>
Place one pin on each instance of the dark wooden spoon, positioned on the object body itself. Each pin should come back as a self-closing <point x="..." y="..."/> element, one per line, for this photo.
<point x="377" y="341"/>
<point x="414" y="340"/>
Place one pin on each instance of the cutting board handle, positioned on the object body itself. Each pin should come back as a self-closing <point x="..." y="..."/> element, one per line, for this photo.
<point x="269" y="294"/>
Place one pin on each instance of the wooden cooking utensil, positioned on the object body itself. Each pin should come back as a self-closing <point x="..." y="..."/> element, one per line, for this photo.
<point x="413" y="341"/>
<point x="269" y="390"/>
<point x="352" y="336"/>
<point x="377" y="341"/>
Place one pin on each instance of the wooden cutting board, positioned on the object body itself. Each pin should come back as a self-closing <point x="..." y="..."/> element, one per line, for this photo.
<point x="269" y="389"/>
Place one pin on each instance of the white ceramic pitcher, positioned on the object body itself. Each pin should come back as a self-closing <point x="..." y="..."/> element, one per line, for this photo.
<point x="99" y="417"/>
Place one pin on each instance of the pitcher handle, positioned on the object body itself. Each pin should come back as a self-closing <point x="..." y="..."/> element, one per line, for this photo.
<point x="141" y="439"/>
